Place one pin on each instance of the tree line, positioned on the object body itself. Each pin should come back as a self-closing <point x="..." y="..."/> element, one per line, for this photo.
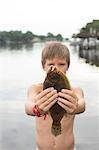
<point x="91" y="29"/>
<point x="28" y="37"/>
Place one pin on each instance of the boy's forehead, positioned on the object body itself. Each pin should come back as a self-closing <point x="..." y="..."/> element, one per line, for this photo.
<point x="56" y="59"/>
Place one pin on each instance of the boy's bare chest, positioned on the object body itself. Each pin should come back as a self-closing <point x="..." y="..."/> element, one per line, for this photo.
<point x="44" y="135"/>
<point x="45" y="125"/>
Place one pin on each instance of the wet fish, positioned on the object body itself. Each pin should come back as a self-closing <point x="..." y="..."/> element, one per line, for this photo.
<point x="55" y="78"/>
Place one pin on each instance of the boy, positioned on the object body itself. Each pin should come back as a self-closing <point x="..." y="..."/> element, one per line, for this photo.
<point x="40" y="101"/>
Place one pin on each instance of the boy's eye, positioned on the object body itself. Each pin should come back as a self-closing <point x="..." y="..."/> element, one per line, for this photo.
<point x="50" y="64"/>
<point x="62" y="64"/>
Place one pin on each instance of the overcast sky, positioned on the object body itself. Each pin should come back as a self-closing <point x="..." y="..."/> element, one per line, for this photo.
<point x="43" y="16"/>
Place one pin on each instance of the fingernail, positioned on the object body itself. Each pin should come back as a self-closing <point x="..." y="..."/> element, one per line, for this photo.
<point x="52" y="88"/>
<point x="55" y="90"/>
<point x="62" y="90"/>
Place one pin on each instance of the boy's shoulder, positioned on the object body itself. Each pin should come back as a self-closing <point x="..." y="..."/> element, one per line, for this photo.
<point x="78" y="90"/>
<point x="36" y="88"/>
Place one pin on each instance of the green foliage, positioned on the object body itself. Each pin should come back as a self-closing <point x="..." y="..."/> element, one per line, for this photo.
<point x="50" y="35"/>
<point x="59" y="37"/>
<point x="94" y="25"/>
<point x="91" y="29"/>
<point x="28" y="37"/>
<point x="16" y="36"/>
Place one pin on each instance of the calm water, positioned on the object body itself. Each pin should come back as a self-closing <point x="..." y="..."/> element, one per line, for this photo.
<point x="21" y="68"/>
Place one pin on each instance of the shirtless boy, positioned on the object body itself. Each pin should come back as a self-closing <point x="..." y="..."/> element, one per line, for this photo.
<point x="54" y="54"/>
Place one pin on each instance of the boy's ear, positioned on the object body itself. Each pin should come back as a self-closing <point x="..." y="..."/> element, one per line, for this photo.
<point x="43" y="67"/>
<point x="67" y="68"/>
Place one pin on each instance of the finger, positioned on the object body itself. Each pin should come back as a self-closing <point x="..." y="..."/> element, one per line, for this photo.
<point x="47" y="97"/>
<point x="50" y="94"/>
<point x="66" y="97"/>
<point x="47" y="102"/>
<point x="71" y="93"/>
<point x="65" y="102"/>
<point x="50" y="105"/>
<point x="44" y="92"/>
<point x="68" y="110"/>
<point x="66" y="91"/>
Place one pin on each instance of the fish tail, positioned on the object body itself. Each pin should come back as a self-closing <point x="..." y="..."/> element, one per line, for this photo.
<point x="56" y="129"/>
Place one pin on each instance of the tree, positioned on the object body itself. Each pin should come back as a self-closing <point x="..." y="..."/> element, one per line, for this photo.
<point x="91" y="29"/>
<point x="50" y="35"/>
<point x="59" y="37"/>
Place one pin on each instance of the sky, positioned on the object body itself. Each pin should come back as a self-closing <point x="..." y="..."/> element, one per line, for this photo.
<point x="42" y="16"/>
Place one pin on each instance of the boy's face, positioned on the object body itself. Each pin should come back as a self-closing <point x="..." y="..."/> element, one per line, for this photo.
<point x="61" y="64"/>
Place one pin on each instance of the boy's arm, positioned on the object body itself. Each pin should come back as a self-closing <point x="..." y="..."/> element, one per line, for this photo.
<point x="42" y="99"/>
<point x="81" y="102"/>
<point x="30" y="103"/>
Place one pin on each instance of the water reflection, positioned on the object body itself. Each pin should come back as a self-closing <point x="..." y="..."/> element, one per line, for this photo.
<point x="91" y="56"/>
<point x="16" y="46"/>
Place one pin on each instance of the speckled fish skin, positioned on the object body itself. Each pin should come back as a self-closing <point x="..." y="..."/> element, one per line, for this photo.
<point x="58" y="80"/>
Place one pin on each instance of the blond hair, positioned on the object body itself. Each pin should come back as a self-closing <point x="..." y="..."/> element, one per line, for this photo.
<point x="54" y="49"/>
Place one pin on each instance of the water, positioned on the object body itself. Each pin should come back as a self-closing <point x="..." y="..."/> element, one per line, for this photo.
<point x="21" y="68"/>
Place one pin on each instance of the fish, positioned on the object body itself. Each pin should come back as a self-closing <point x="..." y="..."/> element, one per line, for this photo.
<point x="58" y="80"/>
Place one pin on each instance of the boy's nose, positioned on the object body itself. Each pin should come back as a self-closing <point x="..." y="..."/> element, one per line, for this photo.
<point x="53" y="66"/>
<point x="56" y="66"/>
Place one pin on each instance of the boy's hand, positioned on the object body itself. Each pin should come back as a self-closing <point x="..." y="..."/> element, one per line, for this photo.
<point x="46" y="99"/>
<point x="68" y="100"/>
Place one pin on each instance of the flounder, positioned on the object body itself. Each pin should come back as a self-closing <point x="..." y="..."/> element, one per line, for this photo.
<point x="58" y="80"/>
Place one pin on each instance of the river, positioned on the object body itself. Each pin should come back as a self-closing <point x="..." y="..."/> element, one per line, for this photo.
<point x="20" y="68"/>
